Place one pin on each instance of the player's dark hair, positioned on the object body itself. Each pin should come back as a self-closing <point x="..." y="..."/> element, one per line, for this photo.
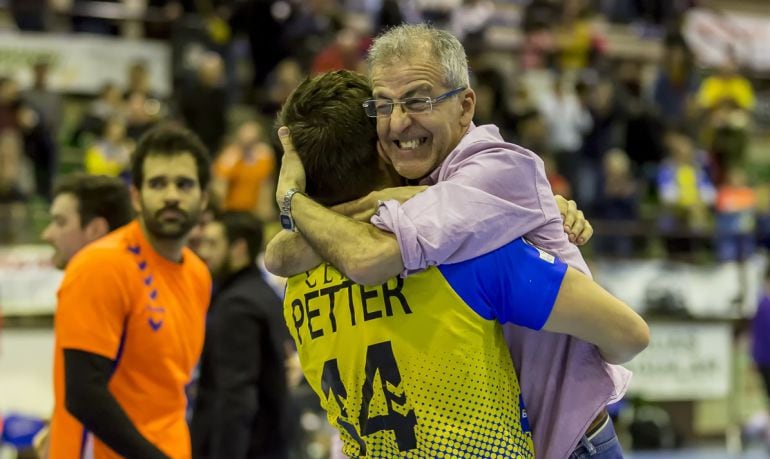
<point x="334" y="138"/>
<point x="98" y="196"/>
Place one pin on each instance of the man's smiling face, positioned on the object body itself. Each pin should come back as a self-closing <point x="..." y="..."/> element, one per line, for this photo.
<point x="416" y="144"/>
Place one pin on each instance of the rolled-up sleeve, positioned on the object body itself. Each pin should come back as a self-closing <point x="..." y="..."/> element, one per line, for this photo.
<point x="490" y="199"/>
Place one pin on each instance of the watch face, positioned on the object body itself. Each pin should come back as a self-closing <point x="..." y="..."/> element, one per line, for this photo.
<point x="286" y="222"/>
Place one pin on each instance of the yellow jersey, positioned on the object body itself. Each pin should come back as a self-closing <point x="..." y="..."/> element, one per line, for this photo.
<point x="418" y="367"/>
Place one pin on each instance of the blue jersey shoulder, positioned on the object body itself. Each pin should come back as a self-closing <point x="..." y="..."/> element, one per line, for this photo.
<point x="517" y="283"/>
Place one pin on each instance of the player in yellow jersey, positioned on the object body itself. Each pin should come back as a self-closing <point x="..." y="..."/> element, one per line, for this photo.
<point x="418" y="367"/>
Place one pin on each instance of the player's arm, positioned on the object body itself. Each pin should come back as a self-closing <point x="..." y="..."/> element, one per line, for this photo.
<point x="236" y="337"/>
<point x="585" y="310"/>
<point x="362" y="252"/>
<point x="523" y="285"/>
<point x="88" y="399"/>
<point x="290" y="253"/>
<point x="368" y="255"/>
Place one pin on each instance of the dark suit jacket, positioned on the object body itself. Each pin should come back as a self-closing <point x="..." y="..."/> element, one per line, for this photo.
<point x="240" y="410"/>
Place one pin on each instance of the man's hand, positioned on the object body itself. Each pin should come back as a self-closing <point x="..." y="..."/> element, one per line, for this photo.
<point x="364" y="208"/>
<point x="292" y="173"/>
<point x="576" y="226"/>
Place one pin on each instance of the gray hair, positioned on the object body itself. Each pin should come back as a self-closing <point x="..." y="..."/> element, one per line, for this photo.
<point x="405" y="41"/>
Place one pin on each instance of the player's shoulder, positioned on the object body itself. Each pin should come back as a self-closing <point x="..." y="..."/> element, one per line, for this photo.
<point x="194" y="265"/>
<point x="105" y="253"/>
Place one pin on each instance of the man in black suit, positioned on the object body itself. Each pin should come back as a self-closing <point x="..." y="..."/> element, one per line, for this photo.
<point x="240" y="411"/>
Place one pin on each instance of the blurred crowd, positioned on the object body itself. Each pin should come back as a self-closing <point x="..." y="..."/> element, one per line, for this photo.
<point x="641" y="144"/>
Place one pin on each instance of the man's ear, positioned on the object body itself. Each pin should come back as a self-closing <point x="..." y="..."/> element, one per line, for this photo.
<point x="136" y="200"/>
<point x="468" y="106"/>
<point x="96" y="228"/>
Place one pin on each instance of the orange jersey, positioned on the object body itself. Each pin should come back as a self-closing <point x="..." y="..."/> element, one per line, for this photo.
<point x="244" y="175"/>
<point x="121" y="300"/>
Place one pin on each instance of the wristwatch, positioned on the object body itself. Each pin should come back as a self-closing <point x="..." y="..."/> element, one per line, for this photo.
<point x="287" y="222"/>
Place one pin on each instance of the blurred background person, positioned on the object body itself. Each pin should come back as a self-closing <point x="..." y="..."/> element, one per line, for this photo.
<point x="110" y="153"/>
<point x="241" y="407"/>
<point x="618" y="202"/>
<point x="203" y="104"/>
<point x="244" y="173"/>
<point x="686" y="193"/>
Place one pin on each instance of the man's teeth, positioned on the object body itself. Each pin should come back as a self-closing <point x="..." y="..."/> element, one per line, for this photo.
<point x="409" y="144"/>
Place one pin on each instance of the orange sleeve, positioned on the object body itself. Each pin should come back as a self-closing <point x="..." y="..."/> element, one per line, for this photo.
<point x="94" y="303"/>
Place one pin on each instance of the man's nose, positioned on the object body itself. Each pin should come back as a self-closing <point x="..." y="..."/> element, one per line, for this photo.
<point x="171" y="194"/>
<point x="399" y="118"/>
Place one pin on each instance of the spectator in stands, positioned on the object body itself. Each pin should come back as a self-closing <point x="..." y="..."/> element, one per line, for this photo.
<point x="736" y="206"/>
<point x="312" y="26"/>
<point x="18" y="115"/>
<point x="110" y="154"/>
<point x="141" y="114"/>
<point x="203" y="104"/>
<point x="727" y="88"/>
<point x="139" y="80"/>
<point x="259" y="21"/>
<point x="241" y="408"/>
<point x="608" y="131"/>
<point x="110" y="103"/>
<point x="728" y="100"/>
<point x="282" y="81"/>
<point x="469" y="21"/>
<point x="675" y="84"/>
<point x="16" y="185"/>
<point x="568" y="120"/>
<point x="686" y="192"/>
<point x="345" y="52"/>
<point x="40" y="96"/>
<point x="642" y="140"/>
<point x="574" y="36"/>
<point x="618" y="202"/>
<point x="244" y="173"/>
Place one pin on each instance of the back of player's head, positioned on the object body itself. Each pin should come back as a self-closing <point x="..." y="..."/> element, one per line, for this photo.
<point x="334" y="138"/>
<point x="243" y="225"/>
<point x="98" y="196"/>
<point x="169" y="139"/>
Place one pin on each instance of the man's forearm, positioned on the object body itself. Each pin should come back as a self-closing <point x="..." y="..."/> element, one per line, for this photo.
<point x="362" y="252"/>
<point x="89" y="400"/>
<point x="289" y="253"/>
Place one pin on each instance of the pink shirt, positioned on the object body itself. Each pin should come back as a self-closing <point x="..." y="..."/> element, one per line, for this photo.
<point x="486" y="193"/>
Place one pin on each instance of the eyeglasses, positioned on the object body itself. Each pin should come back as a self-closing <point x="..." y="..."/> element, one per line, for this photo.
<point x="383" y="108"/>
